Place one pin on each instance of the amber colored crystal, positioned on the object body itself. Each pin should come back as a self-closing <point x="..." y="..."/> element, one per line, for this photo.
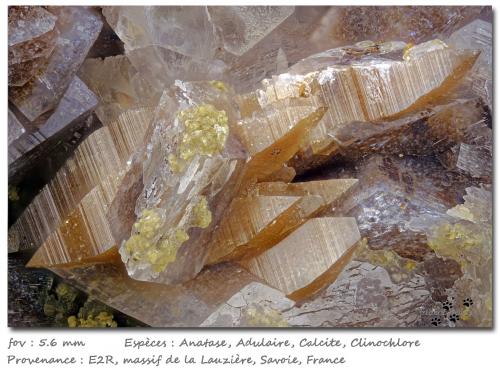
<point x="103" y="154"/>
<point x="331" y="191"/>
<point x="262" y="221"/>
<point x="84" y="234"/>
<point x="298" y="263"/>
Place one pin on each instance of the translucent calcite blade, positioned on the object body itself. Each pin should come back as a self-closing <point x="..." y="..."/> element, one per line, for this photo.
<point x="84" y="235"/>
<point x="103" y="154"/>
<point x="256" y="305"/>
<point x="369" y="90"/>
<point x="432" y="130"/>
<point x="274" y="134"/>
<point x="78" y="28"/>
<point x="32" y="33"/>
<point x="270" y="215"/>
<point x="262" y="222"/>
<point x="160" y="305"/>
<point x="299" y="271"/>
<point x="241" y="27"/>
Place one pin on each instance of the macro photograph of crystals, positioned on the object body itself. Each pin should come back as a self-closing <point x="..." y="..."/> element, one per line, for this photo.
<point x="250" y="166"/>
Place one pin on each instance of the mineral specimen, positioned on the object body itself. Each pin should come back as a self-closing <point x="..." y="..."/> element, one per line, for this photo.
<point x="242" y="27"/>
<point x="260" y="166"/>
<point x="265" y="219"/>
<point x="160" y="305"/>
<point x="478" y="35"/>
<point x="254" y="305"/>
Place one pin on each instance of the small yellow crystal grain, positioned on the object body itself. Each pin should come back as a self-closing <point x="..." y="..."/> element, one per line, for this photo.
<point x="149" y="223"/>
<point x="205" y="131"/>
<point x="201" y="213"/>
<point x="218" y="85"/>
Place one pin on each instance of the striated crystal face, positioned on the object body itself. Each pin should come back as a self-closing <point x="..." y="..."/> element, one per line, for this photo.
<point x="256" y="166"/>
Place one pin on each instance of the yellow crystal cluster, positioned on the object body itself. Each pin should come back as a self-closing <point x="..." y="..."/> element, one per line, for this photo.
<point x="102" y="320"/>
<point x="264" y="316"/>
<point x="151" y="246"/>
<point x="205" y="132"/>
<point x="446" y="237"/>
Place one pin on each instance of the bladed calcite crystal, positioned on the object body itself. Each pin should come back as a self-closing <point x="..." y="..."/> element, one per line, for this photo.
<point x="78" y="28"/>
<point x="84" y="235"/>
<point x="274" y="211"/>
<point x="99" y="158"/>
<point x="262" y="221"/>
<point x="362" y="90"/>
<point x="269" y="166"/>
<point x="294" y="270"/>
